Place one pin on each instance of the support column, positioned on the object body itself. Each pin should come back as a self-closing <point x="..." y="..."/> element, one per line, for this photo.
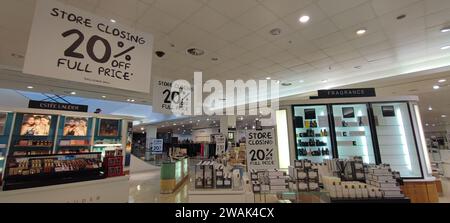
<point x="151" y="134"/>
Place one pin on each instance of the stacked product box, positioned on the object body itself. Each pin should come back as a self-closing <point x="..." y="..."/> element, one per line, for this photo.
<point x="383" y="178"/>
<point x="209" y="175"/>
<point x="350" y="189"/>
<point x="269" y="181"/>
<point x="304" y="177"/>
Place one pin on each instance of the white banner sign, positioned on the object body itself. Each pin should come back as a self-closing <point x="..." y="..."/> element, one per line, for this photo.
<point x="70" y="44"/>
<point x="170" y="99"/>
<point x="157" y="146"/>
<point x="220" y="144"/>
<point x="261" y="150"/>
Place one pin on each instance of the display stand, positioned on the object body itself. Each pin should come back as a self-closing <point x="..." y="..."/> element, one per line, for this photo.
<point x="58" y="156"/>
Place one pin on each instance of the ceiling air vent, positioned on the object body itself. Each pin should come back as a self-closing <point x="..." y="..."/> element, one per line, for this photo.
<point x="195" y="51"/>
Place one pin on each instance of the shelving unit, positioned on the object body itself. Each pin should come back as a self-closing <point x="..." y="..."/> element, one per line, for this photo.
<point x="312" y="128"/>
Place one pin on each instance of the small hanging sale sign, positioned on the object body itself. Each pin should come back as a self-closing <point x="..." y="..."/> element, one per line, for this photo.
<point x="261" y="150"/>
<point x="157" y="146"/>
<point x="74" y="45"/>
<point x="171" y="97"/>
<point x="220" y="144"/>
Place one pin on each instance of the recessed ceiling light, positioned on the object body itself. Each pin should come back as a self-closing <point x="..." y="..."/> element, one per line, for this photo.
<point x="278" y="82"/>
<point x="445" y="47"/>
<point x="103" y="96"/>
<point x="442" y="80"/>
<point x="132" y="100"/>
<point x="304" y="19"/>
<point x="435" y="87"/>
<point x="445" y="29"/>
<point x="444" y="116"/>
<point x="268" y="78"/>
<point x="30" y="87"/>
<point x="73" y="93"/>
<point x="324" y="81"/>
<point x="427" y="124"/>
<point x="190" y="121"/>
<point x="430" y="108"/>
<point x="113" y="20"/>
<point x="434" y="125"/>
<point x="361" y="31"/>
<point x="301" y="81"/>
<point x="174" y="124"/>
<point x="128" y="100"/>
<point x="275" y="32"/>
<point x="143" y="132"/>
<point x="142" y="129"/>
<point x="163" y="126"/>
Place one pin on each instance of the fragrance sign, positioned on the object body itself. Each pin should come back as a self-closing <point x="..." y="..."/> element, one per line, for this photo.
<point x="261" y="150"/>
<point x="70" y="44"/>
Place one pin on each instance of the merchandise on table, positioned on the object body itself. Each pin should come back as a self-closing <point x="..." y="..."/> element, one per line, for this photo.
<point x="267" y="181"/>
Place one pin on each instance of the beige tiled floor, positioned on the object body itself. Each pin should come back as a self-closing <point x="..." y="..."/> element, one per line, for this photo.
<point x="446" y="191"/>
<point x="144" y="188"/>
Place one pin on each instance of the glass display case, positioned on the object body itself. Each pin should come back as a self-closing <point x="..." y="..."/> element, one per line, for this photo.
<point x="312" y="133"/>
<point x="396" y="138"/>
<point x="5" y="128"/>
<point x="353" y="132"/>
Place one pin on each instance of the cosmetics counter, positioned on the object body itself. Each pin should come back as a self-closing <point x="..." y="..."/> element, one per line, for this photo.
<point x="381" y="130"/>
<point x="173" y="174"/>
<point x="41" y="150"/>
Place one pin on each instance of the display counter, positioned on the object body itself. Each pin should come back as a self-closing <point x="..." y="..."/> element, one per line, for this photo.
<point x="40" y="148"/>
<point x="173" y="174"/>
<point x="378" y="129"/>
<point x="110" y="190"/>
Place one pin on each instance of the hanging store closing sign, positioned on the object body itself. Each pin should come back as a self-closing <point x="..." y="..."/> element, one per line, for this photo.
<point x="261" y="150"/>
<point x="220" y="144"/>
<point x="157" y="146"/>
<point x="70" y="44"/>
<point x="171" y="99"/>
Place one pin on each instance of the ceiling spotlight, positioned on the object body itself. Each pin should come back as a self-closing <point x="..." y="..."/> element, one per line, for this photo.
<point x="30" y="87"/>
<point x="445" y="29"/>
<point x="142" y="129"/>
<point x="132" y="100"/>
<point x="442" y="80"/>
<point x="143" y="132"/>
<point x="430" y="108"/>
<point x="301" y="81"/>
<point x="361" y="32"/>
<point x="103" y="96"/>
<point x="435" y="87"/>
<point x="324" y="81"/>
<point x="268" y="78"/>
<point x="128" y="100"/>
<point x="304" y="19"/>
<point x="113" y="20"/>
<point x="163" y="126"/>
<point x="434" y="125"/>
<point x="73" y="93"/>
<point x="190" y="121"/>
<point x="427" y="124"/>
<point x="445" y="47"/>
<point x="174" y="124"/>
<point x="444" y="116"/>
<point x="198" y="120"/>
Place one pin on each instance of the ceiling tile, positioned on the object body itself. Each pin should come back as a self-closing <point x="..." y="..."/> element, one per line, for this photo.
<point x="302" y="68"/>
<point x="262" y="63"/>
<point x="251" y="41"/>
<point x="88" y="5"/>
<point x="256" y="18"/>
<point x="283" y="7"/>
<point x="232" y="8"/>
<point x="247" y="57"/>
<point x="376" y="47"/>
<point x="441" y="18"/>
<point x="210" y="42"/>
<point x="382" y="7"/>
<point x="267" y="50"/>
<point x="292" y="62"/>
<point x="346" y="56"/>
<point x="176" y="8"/>
<point x="322" y="63"/>
<point x="412" y="12"/>
<point x="333" y="7"/>
<point x="274" y="68"/>
<point x="280" y="57"/>
<point x="9" y="12"/>
<point x="132" y="10"/>
<point x="320" y="30"/>
<point x="339" y="49"/>
<point x="330" y="40"/>
<point x="231" y="51"/>
<point x="159" y="20"/>
<point x="314" y="56"/>
<point x="436" y="6"/>
<point x="187" y="33"/>
<point x="232" y="31"/>
<point x="354" y="16"/>
<point x="207" y="19"/>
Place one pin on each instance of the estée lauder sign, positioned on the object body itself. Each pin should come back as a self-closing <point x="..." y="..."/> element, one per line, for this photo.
<point x="57" y="106"/>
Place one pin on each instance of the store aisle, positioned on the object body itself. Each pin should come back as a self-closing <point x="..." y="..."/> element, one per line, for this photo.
<point x="145" y="188"/>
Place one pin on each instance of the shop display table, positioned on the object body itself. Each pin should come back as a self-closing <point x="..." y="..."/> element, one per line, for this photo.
<point x="173" y="175"/>
<point x="292" y="197"/>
